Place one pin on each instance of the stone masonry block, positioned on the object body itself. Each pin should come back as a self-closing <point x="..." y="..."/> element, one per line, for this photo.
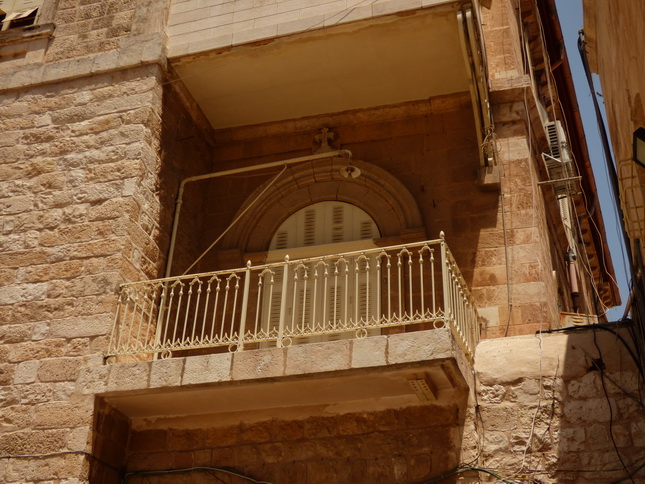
<point x="301" y="24"/>
<point x="318" y="357"/>
<point x="510" y="360"/>
<point x="34" y="470"/>
<point x="391" y="6"/>
<point x="79" y="438"/>
<point x="81" y="327"/>
<point x="166" y="373"/>
<point x="26" y="372"/>
<point x="585" y="411"/>
<point x="264" y="363"/>
<point x="255" y="34"/>
<point x="59" y="369"/>
<point x="344" y="16"/>
<point x="128" y="376"/>
<point x="210" y="43"/>
<point x="93" y="380"/>
<point x="58" y="415"/>
<point x="419" y="346"/>
<point x="32" y="442"/>
<point x="6" y="373"/>
<point x="207" y="369"/>
<point x="369" y="351"/>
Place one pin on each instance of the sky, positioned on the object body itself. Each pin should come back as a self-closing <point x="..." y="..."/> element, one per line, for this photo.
<point x="571" y="21"/>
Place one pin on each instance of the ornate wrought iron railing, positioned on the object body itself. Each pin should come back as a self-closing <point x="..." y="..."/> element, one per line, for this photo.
<point x="353" y="294"/>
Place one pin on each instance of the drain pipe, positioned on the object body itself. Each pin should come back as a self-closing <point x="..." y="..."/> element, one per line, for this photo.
<point x="573" y="280"/>
<point x="180" y="194"/>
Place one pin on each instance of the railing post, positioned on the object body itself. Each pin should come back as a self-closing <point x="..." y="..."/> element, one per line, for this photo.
<point x="158" y="326"/>
<point x="112" y="346"/>
<point x="283" y="301"/>
<point x="447" y="306"/>
<point x="245" y="305"/>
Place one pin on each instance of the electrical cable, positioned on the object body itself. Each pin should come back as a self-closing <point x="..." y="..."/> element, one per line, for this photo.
<point x="537" y="410"/>
<point x="605" y="327"/>
<point x="596" y="228"/>
<point x="601" y="369"/>
<point x="187" y="470"/>
<point x="509" y="291"/>
<point x="581" y="250"/>
<point x="552" y="86"/>
<point x="461" y="469"/>
<point x="609" y="163"/>
<point x="616" y="384"/>
<point x="545" y="55"/>
<point x="630" y="475"/>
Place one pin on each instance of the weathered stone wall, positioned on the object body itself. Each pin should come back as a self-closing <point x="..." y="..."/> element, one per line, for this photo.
<point x="87" y="204"/>
<point x="532" y="211"/>
<point x="615" y="40"/>
<point x="84" y="37"/>
<point x="79" y="175"/>
<point x="548" y="413"/>
<point x="614" y="43"/>
<point x="534" y="245"/>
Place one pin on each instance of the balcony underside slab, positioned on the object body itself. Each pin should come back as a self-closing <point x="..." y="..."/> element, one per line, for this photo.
<point x="333" y="378"/>
<point x="376" y="62"/>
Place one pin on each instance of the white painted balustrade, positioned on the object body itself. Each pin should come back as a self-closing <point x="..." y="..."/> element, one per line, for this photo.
<point x="355" y="294"/>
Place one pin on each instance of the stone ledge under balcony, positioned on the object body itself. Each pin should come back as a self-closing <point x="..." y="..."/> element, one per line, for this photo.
<point x="328" y="378"/>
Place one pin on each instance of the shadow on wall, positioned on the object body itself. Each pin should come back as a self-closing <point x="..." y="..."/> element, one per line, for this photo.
<point x="408" y="445"/>
<point x="562" y="407"/>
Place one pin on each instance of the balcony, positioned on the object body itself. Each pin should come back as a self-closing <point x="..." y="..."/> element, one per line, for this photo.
<point x="356" y="294"/>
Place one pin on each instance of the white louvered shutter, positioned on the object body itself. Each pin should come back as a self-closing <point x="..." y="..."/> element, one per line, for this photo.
<point x="313" y="227"/>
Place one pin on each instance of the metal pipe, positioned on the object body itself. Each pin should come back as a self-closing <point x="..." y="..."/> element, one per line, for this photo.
<point x="478" y="116"/>
<point x="180" y="194"/>
<point x="477" y="80"/>
<point x="609" y="159"/>
<point x="573" y="280"/>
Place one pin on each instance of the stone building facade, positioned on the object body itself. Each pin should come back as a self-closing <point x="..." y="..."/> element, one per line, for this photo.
<point x="246" y="113"/>
<point x="614" y="50"/>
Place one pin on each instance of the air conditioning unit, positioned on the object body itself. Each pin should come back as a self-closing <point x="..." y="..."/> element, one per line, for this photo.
<point x="558" y="162"/>
<point x="557" y="141"/>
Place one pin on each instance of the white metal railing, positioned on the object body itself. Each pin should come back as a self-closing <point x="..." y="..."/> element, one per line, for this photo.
<point x="316" y="299"/>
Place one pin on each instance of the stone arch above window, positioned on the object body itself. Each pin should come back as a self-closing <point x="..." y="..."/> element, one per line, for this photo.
<point x="381" y="195"/>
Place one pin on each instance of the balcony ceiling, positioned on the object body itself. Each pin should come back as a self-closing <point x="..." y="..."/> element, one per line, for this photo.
<point x="364" y="64"/>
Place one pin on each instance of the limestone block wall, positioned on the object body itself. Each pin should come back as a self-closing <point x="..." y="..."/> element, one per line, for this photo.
<point x="560" y="407"/>
<point x="502" y="40"/>
<point x="201" y="25"/>
<point x="402" y="446"/>
<point x="529" y="208"/>
<point x="614" y="40"/>
<point x="80" y="37"/>
<point x="78" y="177"/>
<point x="89" y="168"/>
<point x="536" y="297"/>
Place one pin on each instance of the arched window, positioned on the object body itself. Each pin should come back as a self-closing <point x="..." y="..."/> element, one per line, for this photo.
<point x="347" y="290"/>
<point x="322" y="224"/>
